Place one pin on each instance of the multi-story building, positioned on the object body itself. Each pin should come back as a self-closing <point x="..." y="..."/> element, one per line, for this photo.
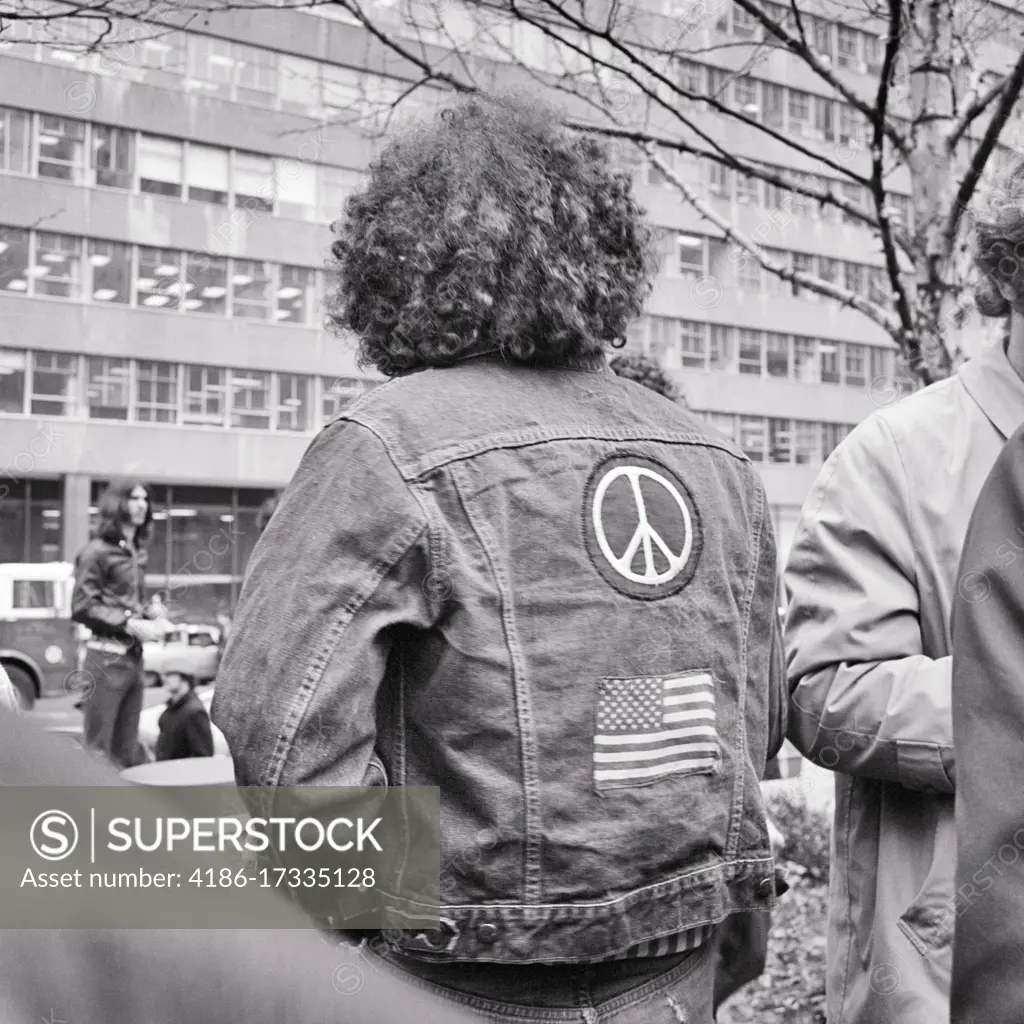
<point x="164" y="212"/>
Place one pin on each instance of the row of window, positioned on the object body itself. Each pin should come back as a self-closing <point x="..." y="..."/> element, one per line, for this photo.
<point x="148" y="391"/>
<point x="691" y="257"/>
<point x="208" y="66"/>
<point x="724" y="185"/>
<point x="42" y="263"/>
<point x="780" y="441"/>
<point x="687" y="344"/>
<point x="83" y="153"/>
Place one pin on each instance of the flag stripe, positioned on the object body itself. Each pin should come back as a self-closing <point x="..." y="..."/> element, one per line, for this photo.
<point x="689" y="698"/>
<point x="657" y="769"/>
<point x="701" y="680"/>
<point x="654" y="737"/>
<point x="650" y="755"/>
<point x="687" y="716"/>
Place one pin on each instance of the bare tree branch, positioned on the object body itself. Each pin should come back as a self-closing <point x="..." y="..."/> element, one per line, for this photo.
<point x="976" y="106"/>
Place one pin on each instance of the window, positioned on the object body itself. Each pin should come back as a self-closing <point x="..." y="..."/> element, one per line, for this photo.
<point x="158" y="284"/>
<point x="690" y="76"/>
<point x="206" y="284"/>
<point x="829" y="269"/>
<point x="748" y="271"/>
<point x="14" y="140"/>
<point x="113" y="156"/>
<point x="293" y="405"/>
<point x="33" y="594"/>
<point x="773" y="101"/>
<point x="207" y="174"/>
<point x="831" y="436"/>
<point x="722" y="351"/>
<point x="718" y="86"/>
<point x="337" y="393"/>
<point x="296" y="189"/>
<point x="335" y="185"/>
<point x="830" y="365"/>
<point x="719" y="180"/>
<point x="807" y="443"/>
<point x="665" y="344"/>
<point x="157" y="400"/>
<point x="636" y="336"/>
<point x="12" y="380"/>
<point x="257" y="75"/>
<point x="58" y="267"/>
<point x="879" y="288"/>
<point x="750" y="352"/>
<point x="747" y="189"/>
<point x="250" y="289"/>
<point x="343" y="93"/>
<point x="777" y="354"/>
<point x="780" y="441"/>
<point x="298" y="84"/>
<point x="856" y="365"/>
<point x="799" y="112"/>
<point x="873" y="52"/>
<point x="856" y="196"/>
<point x="295" y="295"/>
<point x="213" y="64"/>
<point x="204" y="395"/>
<point x="250" y="399"/>
<point x="803" y="262"/>
<point x="253" y="178"/>
<point x="107" y="388"/>
<point x="111" y="264"/>
<point x="744" y="24"/>
<point x="805" y="360"/>
<point x="903" y="210"/>
<point x="848" y="49"/>
<point x="724" y="423"/>
<point x="853" y="278"/>
<point x="753" y="438"/>
<point x="161" y="164"/>
<point x="61" y="148"/>
<point x="824" y="119"/>
<point x="165" y="59"/>
<point x="775" y="285"/>
<point x="14" y="259"/>
<point x="745" y="95"/>
<point x="693" y="344"/>
<point x="54" y="384"/>
<point x="851" y="126"/>
<point x="821" y="37"/>
<point x="882" y="363"/>
<point x="690" y="250"/>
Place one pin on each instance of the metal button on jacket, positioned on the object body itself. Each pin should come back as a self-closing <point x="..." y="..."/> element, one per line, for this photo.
<point x="487" y="932"/>
<point x="765" y="888"/>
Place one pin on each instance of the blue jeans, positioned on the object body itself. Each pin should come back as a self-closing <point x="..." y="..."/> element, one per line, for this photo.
<point x="664" y="990"/>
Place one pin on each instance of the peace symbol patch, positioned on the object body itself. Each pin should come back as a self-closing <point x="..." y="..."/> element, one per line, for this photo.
<point x="641" y="527"/>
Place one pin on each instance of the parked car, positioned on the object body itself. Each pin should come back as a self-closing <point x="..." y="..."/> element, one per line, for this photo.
<point x="149" y="725"/>
<point x="194" y="651"/>
<point x="38" y="640"/>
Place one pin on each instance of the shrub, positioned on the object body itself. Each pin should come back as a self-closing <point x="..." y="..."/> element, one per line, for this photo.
<point x="807" y="832"/>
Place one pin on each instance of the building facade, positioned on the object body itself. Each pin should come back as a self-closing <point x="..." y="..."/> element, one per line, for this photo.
<point x="164" y="222"/>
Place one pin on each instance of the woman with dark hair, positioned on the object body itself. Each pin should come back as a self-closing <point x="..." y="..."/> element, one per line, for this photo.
<point x="110" y="574"/>
<point x="510" y="574"/>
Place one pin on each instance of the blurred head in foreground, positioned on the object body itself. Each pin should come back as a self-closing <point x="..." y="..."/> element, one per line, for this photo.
<point x="490" y="229"/>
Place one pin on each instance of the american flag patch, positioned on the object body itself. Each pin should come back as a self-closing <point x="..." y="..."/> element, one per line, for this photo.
<point x="654" y="726"/>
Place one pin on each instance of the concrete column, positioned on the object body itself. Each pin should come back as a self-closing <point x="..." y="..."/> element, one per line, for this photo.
<point x="77" y="491"/>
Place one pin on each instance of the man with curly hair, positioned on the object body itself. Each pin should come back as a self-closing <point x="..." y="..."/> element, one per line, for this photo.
<point x="510" y="574"/>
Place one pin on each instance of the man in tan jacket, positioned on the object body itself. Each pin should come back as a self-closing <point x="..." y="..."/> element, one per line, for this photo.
<point x="871" y="577"/>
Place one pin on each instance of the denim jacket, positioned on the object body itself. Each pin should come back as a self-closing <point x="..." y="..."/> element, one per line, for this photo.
<point x="551" y="593"/>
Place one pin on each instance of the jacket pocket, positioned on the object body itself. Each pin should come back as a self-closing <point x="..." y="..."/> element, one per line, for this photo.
<point x="651" y="728"/>
<point x="928" y="921"/>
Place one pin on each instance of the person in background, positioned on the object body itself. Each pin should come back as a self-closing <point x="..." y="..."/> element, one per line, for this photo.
<point x="110" y="576"/>
<point x="184" y="725"/>
<point x="456" y="583"/>
<point x="872" y="576"/>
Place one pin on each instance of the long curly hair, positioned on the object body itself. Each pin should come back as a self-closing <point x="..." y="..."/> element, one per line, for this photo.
<point x="490" y="228"/>
<point x="999" y="244"/>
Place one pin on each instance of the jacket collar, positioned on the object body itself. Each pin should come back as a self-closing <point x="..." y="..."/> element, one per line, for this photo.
<point x="993" y="383"/>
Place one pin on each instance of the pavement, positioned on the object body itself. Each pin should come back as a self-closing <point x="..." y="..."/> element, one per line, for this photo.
<point x="58" y="714"/>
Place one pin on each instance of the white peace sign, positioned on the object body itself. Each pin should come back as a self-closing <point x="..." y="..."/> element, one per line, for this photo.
<point x="644" y="534"/>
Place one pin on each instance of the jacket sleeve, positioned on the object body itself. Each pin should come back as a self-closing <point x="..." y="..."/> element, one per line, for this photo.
<point x="340" y="570"/>
<point x="199" y="735"/>
<point x="988" y="722"/>
<point x="864" y="699"/>
<point x="87" y="604"/>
